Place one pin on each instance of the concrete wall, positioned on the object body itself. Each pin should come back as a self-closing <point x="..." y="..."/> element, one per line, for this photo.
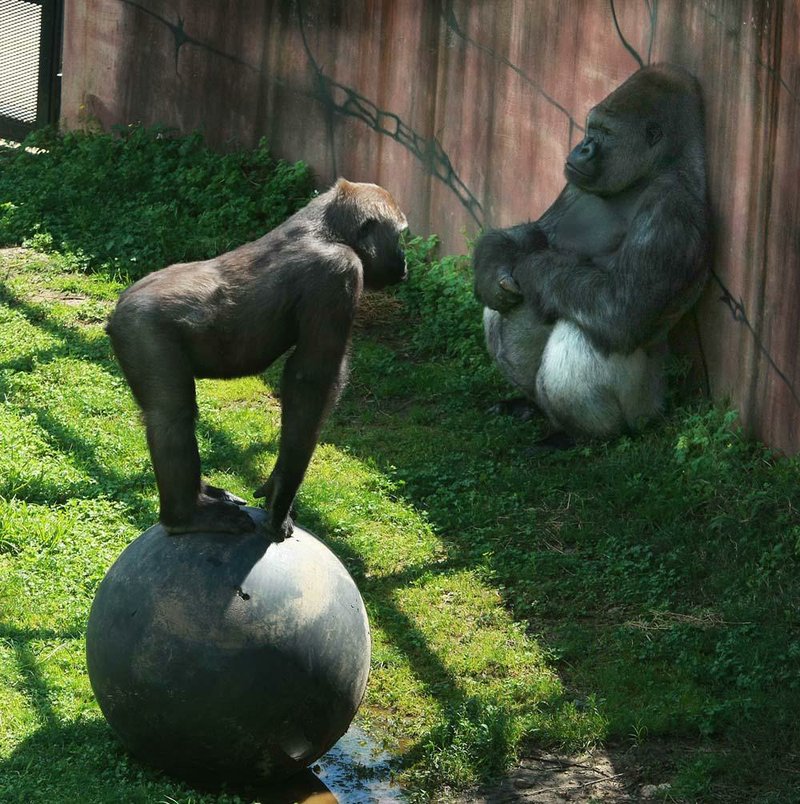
<point x="465" y="110"/>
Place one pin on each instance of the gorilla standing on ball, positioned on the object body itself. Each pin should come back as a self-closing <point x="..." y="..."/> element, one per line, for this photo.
<point x="579" y="303"/>
<point x="234" y="315"/>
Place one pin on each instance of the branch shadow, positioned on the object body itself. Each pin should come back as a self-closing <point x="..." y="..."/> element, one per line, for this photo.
<point x="435" y="678"/>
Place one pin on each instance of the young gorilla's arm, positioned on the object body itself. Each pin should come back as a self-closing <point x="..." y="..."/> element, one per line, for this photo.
<point x="312" y="380"/>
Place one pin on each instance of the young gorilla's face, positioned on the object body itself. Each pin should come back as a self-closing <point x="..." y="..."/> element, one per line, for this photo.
<point x="380" y="247"/>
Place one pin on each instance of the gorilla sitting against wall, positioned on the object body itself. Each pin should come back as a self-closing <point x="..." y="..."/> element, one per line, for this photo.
<point x="578" y="304"/>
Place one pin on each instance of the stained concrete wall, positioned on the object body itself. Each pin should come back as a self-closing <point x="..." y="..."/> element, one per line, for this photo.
<point x="465" y="110"/>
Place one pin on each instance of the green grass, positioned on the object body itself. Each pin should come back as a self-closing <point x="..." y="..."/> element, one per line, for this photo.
<point x="643" y="595"/>
<point x="451" y="668"/>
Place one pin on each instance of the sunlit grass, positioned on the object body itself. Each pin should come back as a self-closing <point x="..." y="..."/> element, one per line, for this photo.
<point x="75" y="487"/>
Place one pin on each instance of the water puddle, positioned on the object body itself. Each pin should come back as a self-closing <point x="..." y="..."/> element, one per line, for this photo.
<point x="355" y="771"/>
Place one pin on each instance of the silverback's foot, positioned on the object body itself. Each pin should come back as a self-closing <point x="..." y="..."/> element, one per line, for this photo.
<point x="221" y="494"/>
<point x="519" y="407"/>
<point x="506" y="295"/>
<point x="213" y="516"/>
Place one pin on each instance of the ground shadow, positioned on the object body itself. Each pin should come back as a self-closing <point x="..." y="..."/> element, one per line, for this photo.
<point x="94" y="768"/>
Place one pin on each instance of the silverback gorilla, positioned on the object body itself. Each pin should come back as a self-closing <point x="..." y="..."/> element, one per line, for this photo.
<point x="298" y="286"/>
<point x="578" y="304"/>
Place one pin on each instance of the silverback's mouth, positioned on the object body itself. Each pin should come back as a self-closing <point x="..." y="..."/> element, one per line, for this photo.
<point x="570" y="166"/>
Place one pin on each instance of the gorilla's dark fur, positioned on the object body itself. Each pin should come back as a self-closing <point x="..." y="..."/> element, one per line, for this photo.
<point x="578" y="303"/>
<point x="234" y="315"/>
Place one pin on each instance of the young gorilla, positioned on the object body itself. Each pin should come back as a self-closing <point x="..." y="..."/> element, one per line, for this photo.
<point x="578" y="303"/>
<point x="234" y="315"/>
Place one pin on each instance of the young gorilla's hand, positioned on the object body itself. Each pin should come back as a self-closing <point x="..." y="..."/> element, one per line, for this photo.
<point x="277" y="528"/>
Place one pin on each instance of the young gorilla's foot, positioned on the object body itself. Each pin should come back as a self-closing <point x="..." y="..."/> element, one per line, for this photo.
<point x="221" y="494"/>
<point x="213" y="516"/>
<point x="519" y="407"/>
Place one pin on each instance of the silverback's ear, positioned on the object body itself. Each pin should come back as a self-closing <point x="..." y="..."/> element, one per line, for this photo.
<point x="653" y="132"/>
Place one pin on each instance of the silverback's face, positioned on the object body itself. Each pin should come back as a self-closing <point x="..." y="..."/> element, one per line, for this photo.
<point x="615" y="153"/>
<point x="636" y="132"/>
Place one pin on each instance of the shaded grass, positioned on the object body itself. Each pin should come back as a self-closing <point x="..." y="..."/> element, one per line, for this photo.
<point x="633" y="594"/>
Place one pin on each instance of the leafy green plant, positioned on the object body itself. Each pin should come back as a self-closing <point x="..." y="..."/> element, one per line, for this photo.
<point x="141" y="198"/>
<point x="476" y="740"/>
<point x="439" y="296"/>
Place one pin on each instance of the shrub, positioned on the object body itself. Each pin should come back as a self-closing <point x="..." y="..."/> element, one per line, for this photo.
<point x="439" y="297"/>
<point x="139" y="199"/>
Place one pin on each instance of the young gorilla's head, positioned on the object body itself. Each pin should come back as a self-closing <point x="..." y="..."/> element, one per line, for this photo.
<point x="643" y="128"/>
<point x="368" y="219"/>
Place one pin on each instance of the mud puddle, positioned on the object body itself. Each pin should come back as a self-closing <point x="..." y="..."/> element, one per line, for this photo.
<point x="355" y="771"/>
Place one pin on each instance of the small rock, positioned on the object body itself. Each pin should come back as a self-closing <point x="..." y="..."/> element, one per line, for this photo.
<point x="653" y="790"/>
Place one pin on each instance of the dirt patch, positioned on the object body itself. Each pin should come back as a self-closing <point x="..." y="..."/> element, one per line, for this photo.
<point x="12" y="251"/>
<point x="552" y="779"/>
<point x="46" y="295"/>
<point x="378" y="311"/>
<point x="612" y="775"/>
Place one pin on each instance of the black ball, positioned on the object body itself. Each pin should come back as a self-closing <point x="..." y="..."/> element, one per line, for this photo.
<point x="228" y="658"/>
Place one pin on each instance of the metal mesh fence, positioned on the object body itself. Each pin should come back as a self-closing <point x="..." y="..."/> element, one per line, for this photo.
<point x="20" y="36"/>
